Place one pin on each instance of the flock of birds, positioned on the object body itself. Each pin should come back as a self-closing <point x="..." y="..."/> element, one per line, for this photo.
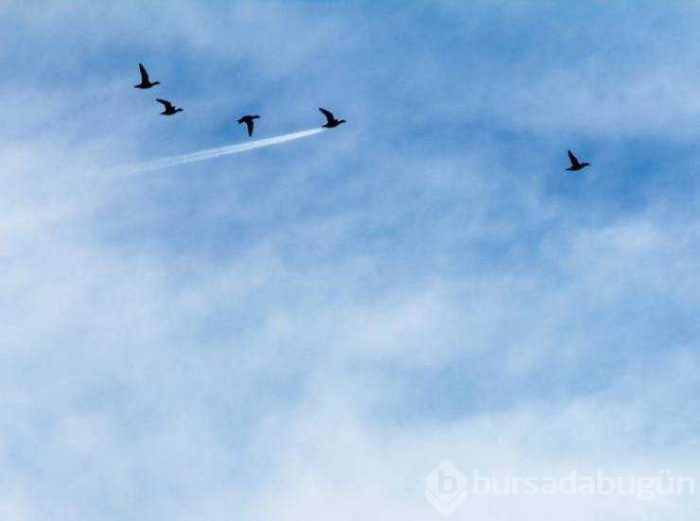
<point x="169" y="109"/>
<point x="331" y="121"/>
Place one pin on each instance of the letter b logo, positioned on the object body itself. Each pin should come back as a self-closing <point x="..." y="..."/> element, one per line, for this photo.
<point x="446" y="485"/>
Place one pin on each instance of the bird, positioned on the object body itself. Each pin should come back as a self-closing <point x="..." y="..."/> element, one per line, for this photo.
<point x="170" y="109"/>
<point x="331" y="121"/>
<point x="146" y="83"/>
<point x="248" y="120"/>
<point x="575" y="163"/>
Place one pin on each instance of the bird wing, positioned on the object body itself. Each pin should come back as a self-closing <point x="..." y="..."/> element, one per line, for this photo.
<point x="144" y="73"/>
<point x="572" y="158"/>
<point x="328" y="114"/>
<point x="165" y="103"/>
<point x="249" y="124"/>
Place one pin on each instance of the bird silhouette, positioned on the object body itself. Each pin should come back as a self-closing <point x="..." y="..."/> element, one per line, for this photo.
<point x="170" y="109"/>
<point x="146" y="83"/>
<point x="330" y="119"/>
<point x="248" y="120"/>
<point x="575" y="163"/>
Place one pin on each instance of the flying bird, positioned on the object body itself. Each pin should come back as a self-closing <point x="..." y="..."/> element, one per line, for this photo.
<point x="146" y="83"/>
<point x="248" y="120"/>
<point x="330" y="119"/>
<point x="575" y="163"/>
<point x="170" y="109"/>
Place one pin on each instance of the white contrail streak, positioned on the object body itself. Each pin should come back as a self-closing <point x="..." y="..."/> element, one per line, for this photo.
<point x="215" y="152"/>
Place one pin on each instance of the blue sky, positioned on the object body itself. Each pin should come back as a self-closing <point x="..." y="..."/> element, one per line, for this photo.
<point x="307" y="330"/>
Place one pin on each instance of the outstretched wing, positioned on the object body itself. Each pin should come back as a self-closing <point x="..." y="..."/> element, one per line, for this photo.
<point x="328" y="114"/>
<point x="249" y="124"/>
<point x="144" y="73"/>
<point x="573" y="159"/>
<point x="165" y="103"/>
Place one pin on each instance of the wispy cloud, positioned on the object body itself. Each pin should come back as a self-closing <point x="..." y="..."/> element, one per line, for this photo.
<point x="310" y="337"/>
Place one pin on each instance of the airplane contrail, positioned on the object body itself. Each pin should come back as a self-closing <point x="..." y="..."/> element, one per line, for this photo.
<point x="215" y="152"/>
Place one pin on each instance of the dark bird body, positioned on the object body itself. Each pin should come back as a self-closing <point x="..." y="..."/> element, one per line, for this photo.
<point x="146" y="83"/>
<point x="331" y="122"/>
<point x="170" y="109"/>
<point x="575" y="163"/>
<point x="248" y="120"/>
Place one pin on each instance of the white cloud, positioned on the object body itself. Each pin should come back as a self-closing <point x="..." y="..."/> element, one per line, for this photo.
<point x="307" y="333"/>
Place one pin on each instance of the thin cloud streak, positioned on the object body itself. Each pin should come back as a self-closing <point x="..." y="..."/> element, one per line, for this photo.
<point x="212" y="153"/>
